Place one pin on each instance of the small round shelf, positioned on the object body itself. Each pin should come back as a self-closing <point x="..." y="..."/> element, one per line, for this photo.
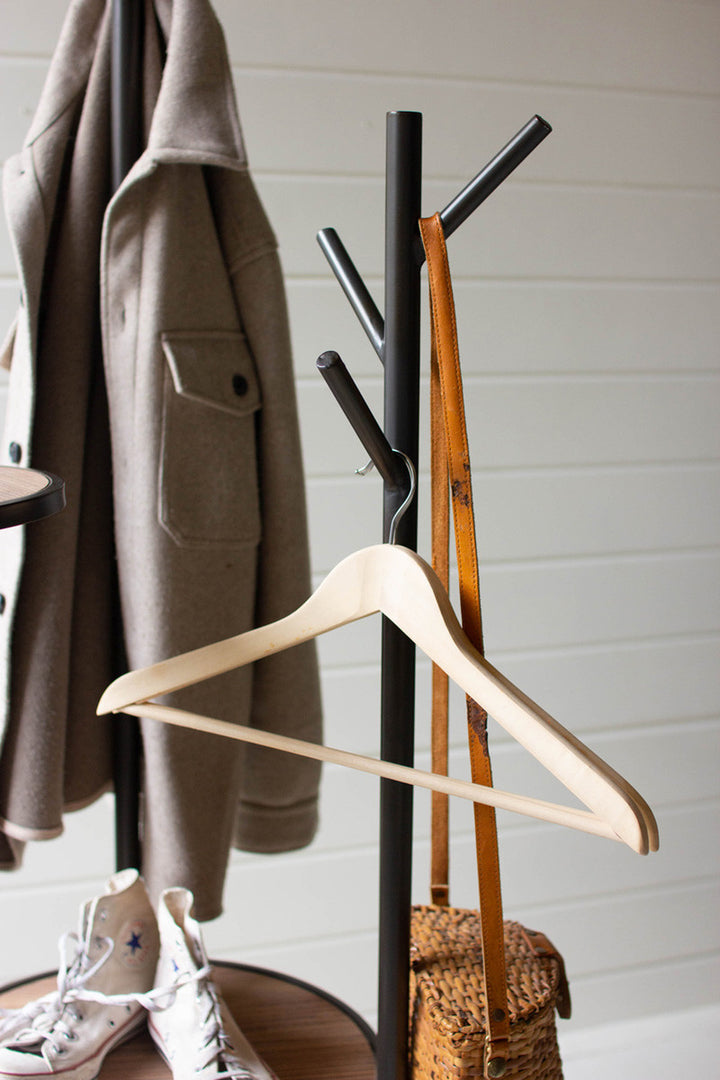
<point x="302" y="1033"/>
<point x="28" y="495"/>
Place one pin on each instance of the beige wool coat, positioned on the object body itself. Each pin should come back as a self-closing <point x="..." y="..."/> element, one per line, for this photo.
<point x="150" y="368"/>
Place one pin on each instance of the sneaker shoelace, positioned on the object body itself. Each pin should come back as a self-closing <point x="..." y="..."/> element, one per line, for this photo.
<point x="47" y="1028"/>
<point x="47" y="1021"/>
<point x="12" y="1021"/>
<point x="48" y="1034"/>
<point x="73" y="973"/>
<point x="216" y="1049"/>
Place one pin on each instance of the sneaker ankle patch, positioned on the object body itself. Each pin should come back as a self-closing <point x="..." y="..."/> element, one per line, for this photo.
<point x="134" y="943"/>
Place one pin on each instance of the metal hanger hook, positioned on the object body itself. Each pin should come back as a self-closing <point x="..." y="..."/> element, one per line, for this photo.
<point x="402" y="508"/>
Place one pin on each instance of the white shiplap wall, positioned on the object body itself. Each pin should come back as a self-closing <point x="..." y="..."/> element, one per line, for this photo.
<point x="587" y="289"/>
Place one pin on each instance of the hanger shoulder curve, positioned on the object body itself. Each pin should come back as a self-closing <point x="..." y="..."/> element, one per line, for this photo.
<point x="342" y="597"/>
<point x="435" y="629"/>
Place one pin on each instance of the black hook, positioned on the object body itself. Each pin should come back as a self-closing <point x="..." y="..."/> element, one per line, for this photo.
<point x="388" y="463"/>
<point x="354" y="288"/>
<point x="468" y="200"/>
<point x="497" y="170"/>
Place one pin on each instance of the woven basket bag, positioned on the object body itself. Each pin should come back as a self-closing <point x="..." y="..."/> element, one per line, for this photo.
<point x="448" y="1010"/>
<point x="483" y="992"/>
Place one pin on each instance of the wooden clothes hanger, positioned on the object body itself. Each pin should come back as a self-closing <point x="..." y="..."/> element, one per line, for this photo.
<point x="398" y="583"/>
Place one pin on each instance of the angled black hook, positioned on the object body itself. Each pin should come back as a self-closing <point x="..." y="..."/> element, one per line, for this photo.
<point x="497" y="170"/>
<point x="345" y="390"/>
<point x="354" y="288"/>
<point x="454" y="214"/>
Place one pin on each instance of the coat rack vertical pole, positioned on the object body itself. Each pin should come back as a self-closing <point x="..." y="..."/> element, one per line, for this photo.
<point x="125" y="147"/>
<point x="401" y="356"/>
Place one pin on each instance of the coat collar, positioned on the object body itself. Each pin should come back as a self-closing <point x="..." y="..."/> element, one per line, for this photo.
<point x="194" y="117"/>
<point x="195" y="114"/>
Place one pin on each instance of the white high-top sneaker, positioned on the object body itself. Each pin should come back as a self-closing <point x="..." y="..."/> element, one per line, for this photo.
<point x="195" y="1032"/>
<point x="100" y="995"/>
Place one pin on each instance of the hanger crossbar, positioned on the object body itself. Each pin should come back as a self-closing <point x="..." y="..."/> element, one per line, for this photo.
<point x="539" y="809"/>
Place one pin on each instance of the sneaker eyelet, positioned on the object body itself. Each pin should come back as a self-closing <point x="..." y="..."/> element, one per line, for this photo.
<point x="111" y="1023"/>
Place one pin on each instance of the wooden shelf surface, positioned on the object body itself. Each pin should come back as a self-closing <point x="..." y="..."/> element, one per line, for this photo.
<point x="302" y="1033"/>
<point x="28" y="495"/>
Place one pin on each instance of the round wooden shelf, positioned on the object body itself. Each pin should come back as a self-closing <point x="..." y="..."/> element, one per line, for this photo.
<point x="301" y="1032"/>
<point x="28" y="495"/>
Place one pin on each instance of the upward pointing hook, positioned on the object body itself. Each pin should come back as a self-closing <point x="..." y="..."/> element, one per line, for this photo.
<point x="454" y="214"/>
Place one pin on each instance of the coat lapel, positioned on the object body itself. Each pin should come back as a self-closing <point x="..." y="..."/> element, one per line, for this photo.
<point x="70" y="65"/>
<point x="31" y="178"/>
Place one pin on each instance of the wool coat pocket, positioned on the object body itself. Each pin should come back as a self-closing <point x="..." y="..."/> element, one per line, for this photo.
<point x="208" y="476"/>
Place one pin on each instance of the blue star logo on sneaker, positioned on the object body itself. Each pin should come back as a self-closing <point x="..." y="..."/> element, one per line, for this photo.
<point x="134" y="941"/>
<point x="102" y="983"/>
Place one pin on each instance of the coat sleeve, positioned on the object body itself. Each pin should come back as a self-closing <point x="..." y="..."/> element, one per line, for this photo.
<point x="286" y="694"/>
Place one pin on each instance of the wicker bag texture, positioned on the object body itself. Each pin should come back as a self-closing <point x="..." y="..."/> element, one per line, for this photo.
<point x="447" y="1000"/>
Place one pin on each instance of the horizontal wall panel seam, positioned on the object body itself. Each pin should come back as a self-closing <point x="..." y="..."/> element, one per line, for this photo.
<point x="620" y="645"/>
<point x="561" y="187"/>
<point x="466" y="81"/>
<point x="470" y="82"/>
<point x="544" y="379"/>
<point x="666" y="963"/>
<point x="466" y="281"/>
<point x="559" y="472"/>
<point x="669" y="889"/>
<point x="649" y="557"/>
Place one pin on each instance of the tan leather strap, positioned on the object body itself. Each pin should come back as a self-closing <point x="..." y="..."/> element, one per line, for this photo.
<point x="445" y="346"/>
<point x="440" y="521"/>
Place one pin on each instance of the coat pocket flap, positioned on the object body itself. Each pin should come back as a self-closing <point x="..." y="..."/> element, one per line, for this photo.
<point x="214" y="368"/>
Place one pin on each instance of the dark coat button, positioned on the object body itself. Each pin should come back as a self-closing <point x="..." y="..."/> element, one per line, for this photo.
<point x="240" y="385"/>
<point x="15" y="451"/>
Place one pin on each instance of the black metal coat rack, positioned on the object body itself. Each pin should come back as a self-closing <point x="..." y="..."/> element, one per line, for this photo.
<point x="125" y="148"/>
<point x="396" y="340"/>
